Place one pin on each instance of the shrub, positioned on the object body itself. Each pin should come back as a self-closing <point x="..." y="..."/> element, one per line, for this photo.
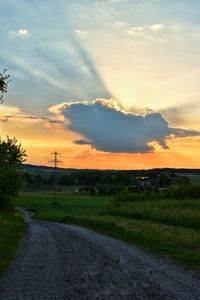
<point x="126" y="196"/>
<point x="183" y="191"/>
<point x="11" y="157"/>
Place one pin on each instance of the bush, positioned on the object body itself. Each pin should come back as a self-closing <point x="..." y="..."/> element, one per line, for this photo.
<point x="183" y="191"/>
<point x="11" y="157"/>
<point x="126" y="196"/>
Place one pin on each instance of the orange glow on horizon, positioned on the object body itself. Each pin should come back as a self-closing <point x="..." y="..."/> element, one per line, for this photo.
<point x="180" y="155"/>
<point x="39" y="139"/>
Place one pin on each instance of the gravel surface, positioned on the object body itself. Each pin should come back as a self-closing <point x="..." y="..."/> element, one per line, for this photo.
<point x="58" y="261"/>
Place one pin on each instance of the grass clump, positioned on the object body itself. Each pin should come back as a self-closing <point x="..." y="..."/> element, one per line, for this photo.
<point x="12" y="228"/>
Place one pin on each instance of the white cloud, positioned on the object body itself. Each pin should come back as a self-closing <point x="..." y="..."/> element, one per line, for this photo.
<point x="82" y="33"/>
<point x="136" y="30"/>
<point x="22" y="33"/>
<point x="108" y="128"/>
<point x="156" y="27"/>
<point x="145" y="30"/>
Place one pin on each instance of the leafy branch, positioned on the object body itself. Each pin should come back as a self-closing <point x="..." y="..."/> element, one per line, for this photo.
<point x="4" y="81"/>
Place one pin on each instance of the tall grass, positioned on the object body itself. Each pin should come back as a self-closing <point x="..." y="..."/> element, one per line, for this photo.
<point x="12" y="228"/>
<point x="185" y="213"/>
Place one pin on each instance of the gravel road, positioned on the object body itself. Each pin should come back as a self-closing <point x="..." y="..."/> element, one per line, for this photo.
<point x="57" y="261"/>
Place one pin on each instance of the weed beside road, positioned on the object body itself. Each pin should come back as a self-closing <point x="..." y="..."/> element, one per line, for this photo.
<point x="12" y="228"/>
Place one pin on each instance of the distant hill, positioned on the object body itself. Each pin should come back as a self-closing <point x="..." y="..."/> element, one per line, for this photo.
<point x="45" y="169"/>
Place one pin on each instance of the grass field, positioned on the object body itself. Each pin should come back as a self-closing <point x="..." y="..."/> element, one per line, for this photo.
<point x="169" y="228"/>
<point x="12" y="228"/>
<point x="184" y="213"/>
<point x="69" y="204"/>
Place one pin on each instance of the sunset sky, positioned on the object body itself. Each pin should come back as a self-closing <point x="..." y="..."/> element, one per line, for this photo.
<point x="111" y="84"/>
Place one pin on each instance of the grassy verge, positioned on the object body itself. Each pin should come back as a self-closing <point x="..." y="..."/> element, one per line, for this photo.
<point x="169" y="228"/>
<point x="12" y="228"/>
<point x="179" y="244"/>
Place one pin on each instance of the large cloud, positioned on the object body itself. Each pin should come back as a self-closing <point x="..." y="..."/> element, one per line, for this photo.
<point x="108" y="128"/>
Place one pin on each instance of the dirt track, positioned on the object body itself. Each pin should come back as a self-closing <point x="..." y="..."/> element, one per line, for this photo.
<point x="57" y="261"/>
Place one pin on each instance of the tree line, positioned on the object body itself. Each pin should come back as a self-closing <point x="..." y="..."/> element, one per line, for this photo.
<point x="11" y="157"/>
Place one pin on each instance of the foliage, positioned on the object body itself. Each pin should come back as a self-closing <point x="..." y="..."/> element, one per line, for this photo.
<point x="177" y="191"/>
<point x="183" y="191"/>
<point x="126" y="196"/>
<point x="4" y="80"/>
<point x="12" y="228"/>
<point x="11" y="157"/>
<point x="105" y="182"/>
<point x="133" y="194"/>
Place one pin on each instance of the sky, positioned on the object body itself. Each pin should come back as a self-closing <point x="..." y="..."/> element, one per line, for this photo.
<point x="110" y="84"/>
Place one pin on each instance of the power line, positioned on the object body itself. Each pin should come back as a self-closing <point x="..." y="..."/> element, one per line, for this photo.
<point x="56" y="162"/>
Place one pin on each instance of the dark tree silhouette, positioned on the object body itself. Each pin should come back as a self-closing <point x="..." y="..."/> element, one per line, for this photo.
<point x="4" y="80"/>
<point x="11" y="157"/>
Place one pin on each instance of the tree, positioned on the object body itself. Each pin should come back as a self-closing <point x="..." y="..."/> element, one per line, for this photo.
<point x="11" y="157"/>
<point x="4" y="80"/>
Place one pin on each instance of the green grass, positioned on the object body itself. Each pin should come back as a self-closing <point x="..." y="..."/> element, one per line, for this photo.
<point x="69" y="203"/>
<point x="184" y="213"/>
<point x="169" y="228"/>
<point x="12" y="228"/>
<point x="180" y="244"/>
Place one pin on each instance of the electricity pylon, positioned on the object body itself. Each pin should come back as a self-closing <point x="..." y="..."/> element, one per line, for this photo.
<point x="56" y="162"/>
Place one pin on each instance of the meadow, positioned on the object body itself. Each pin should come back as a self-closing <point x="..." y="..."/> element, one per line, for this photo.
<point x="167" y="227"/>
<point x="73" y="204"/>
